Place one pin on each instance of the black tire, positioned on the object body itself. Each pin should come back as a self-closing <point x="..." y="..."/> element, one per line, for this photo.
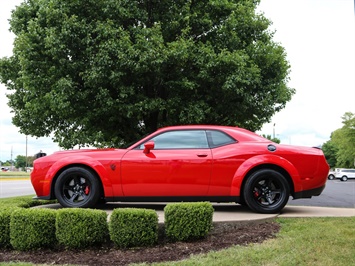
<point x="331" y="177"/>
<point x="344" y="178"/>
<point x="77" y="187"/>
<point x="266" y="191"/>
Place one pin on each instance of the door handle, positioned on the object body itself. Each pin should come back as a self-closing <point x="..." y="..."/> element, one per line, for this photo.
<point x="202" y="155"/>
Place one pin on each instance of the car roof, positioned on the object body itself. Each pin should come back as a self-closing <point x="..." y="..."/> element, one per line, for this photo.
<point x="238" y="133"/>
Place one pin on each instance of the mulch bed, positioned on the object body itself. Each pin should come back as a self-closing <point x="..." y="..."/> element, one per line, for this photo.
<point x="224" y="237"/>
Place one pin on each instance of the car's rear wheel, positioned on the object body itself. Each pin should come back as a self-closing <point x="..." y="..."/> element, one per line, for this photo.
<point x="266" y="191"/>
<point x="77" y="187"/>
<point x="330" y="177"/>
<point x="344" y="178"/>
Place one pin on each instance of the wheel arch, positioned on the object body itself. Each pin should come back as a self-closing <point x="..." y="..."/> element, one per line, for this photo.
<point x="269" y="161"/>
<point x="274" y="167"/>
<point x="85" y="166"/>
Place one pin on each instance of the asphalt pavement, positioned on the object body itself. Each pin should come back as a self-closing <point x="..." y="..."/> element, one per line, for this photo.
<point x="336" y="194"/>
<point x="10" y="187"/>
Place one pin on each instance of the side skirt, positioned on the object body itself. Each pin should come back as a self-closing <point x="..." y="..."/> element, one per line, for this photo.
<point x="174" y="199"/>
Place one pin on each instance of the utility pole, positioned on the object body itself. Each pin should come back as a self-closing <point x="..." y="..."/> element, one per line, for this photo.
<point x="12" y="162"/>
<point x="26" y="154"/>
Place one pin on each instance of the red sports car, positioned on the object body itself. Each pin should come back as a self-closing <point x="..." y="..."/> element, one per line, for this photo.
<point x="185" y="163"/>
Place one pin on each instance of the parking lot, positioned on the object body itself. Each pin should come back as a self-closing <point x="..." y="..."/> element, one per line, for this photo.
<point x="335" y="194"/>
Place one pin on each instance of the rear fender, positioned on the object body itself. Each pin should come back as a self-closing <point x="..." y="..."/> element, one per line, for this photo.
<point x="259" y="161"/>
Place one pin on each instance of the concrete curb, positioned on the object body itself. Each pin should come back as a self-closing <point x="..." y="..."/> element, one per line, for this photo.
<point x="307" y="211"/>
<point x="226" y="215"/>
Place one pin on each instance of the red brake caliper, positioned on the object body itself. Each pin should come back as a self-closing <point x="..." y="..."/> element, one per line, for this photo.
<point x="256" y="194"/>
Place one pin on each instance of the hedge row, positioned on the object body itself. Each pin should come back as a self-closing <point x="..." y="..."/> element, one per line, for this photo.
<point x="28" y="229"/>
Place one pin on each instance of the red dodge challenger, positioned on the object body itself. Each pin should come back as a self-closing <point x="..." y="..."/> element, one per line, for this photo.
<point x="185" y="163"/>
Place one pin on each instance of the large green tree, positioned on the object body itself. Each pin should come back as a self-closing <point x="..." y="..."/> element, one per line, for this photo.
<point x="105" y="72"/>
<point x="342" y="144"/>
<point x="330" y="152"/>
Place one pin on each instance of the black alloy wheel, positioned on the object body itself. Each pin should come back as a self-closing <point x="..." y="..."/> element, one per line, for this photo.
<point x="266" y="191"/>
<point x="77" y="187"/>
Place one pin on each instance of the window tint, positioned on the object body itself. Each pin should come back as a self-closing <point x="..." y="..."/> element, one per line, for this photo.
<point x="218" y="138"/>
<point x="182" y="139"/>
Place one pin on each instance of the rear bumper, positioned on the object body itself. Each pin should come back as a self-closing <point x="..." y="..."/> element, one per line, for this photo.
<point x="308" y="193"/>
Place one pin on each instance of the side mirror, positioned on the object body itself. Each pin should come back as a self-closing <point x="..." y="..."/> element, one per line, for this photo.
<point x="40" y="154"/>
<point x="148" y="146"/>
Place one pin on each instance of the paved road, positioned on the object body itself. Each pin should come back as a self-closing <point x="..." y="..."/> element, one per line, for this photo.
<point x="336" y="193"/>
<point x="14" y="188"/>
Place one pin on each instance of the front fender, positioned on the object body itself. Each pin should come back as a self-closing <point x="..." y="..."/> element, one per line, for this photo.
<point x="89" y="162"/>
<point x="257" y="161"/>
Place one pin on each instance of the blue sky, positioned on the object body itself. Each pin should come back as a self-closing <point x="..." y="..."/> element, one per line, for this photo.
<point x="319" y="38"/>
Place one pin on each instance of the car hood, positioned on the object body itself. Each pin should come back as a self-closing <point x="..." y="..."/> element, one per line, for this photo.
<point x="78" y="151"/>
<point x="93" y="153"/>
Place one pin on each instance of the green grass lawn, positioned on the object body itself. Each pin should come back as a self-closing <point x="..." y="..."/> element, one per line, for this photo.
<point x="5" y="175"/>
<point x="301" y="241"/>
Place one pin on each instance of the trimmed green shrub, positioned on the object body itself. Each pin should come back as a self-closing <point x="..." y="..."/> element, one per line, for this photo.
<point x="80" y="228"/>
<point x="133" y="227"/>
<point x="32" y="228"/>
<point x="25" y="202"/>
<point x="187" y="221"/>
<point x="5" y="218"/>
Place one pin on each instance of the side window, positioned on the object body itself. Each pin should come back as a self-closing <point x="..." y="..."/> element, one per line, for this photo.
<point x="180" y="139"/>
<point x="218" y="138"/>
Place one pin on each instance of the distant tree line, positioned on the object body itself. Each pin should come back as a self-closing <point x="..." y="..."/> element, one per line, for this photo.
<point x="19" y="162"/>
<point x="276" y="140"/>
<point x="339" y="150"/>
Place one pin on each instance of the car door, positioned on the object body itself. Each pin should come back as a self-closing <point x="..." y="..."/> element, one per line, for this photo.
<point x="178" y="165"/>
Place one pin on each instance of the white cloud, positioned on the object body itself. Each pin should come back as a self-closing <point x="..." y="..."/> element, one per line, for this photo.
<point x="319" y="38"/>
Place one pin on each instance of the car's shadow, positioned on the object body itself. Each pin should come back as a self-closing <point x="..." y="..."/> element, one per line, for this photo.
<point x="158" y="206"/>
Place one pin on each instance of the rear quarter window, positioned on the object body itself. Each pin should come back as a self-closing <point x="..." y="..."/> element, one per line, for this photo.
<point x="218" y="138"/>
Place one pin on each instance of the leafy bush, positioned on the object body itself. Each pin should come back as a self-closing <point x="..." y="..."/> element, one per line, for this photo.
<point x="186" y="221"/>
<point x="5" y="218"/>
<point x="80" y="228"/>
<point x="32" y="228"/>
<point x="132" y="227"/>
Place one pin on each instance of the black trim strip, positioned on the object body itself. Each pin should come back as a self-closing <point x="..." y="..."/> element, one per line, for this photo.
<point x="308" y="193"/>
<point x="42" y="198"/>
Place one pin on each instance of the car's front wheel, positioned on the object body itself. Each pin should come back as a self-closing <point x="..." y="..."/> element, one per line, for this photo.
<point x="266" y="191"/>
<point x="77" y="187"/>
